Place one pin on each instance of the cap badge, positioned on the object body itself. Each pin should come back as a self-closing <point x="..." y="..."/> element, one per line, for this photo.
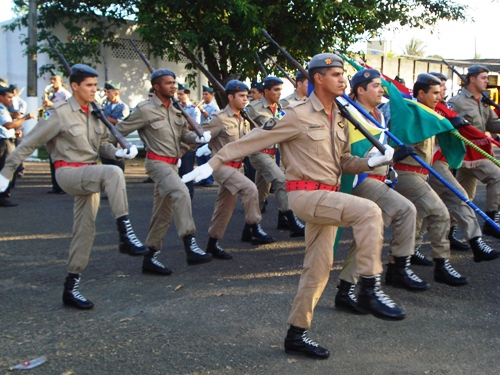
<point x="328" y="61"/>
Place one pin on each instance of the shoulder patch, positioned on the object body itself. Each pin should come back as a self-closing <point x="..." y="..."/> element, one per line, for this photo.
<point x="46" y="115"/>
<point x="280" y="114"/>
<point x="269" y="124"/>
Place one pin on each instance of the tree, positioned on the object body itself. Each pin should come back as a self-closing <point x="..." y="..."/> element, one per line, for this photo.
<point x="225" y="34"/>
<point x="414" y="48"/>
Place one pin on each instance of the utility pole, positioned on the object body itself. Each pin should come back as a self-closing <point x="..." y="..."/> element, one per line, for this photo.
<point x="32" y="67"/>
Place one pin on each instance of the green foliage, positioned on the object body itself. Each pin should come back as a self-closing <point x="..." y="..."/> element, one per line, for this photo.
<point x="414" y="48"/>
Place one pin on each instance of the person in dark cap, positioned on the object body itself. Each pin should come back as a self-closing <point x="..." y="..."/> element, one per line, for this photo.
<point x="162" y="128"/>
<point x="207" y="108"/>
<point x="432" y="214"/>
<point x="300" y="92"/>
<point x="264" y="161"/>
<point x="228" y="126"/>
<point x="314" y="142"/>
<point x="256" y="90"/>
<point x="468" y="105"/>
<point x="76" y="139"/>
<point x="115" y="110"/>
<point x="9" y="130"/>
<point x="397" y="211"/>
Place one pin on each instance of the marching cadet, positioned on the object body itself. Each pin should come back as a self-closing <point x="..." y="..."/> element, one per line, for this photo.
<point x="432" y="214"/>
<point x="256" y="90"/>
<point x="300" y="92"/>
<point x="264" y="161"/>
<point x="314" y="141"/>
<point x="162" y="129"/>
<point x="76" y="140"/>
<point x="228" y="126"/>
<point x="115" y="110"/>
<point x="468" y="104"/>
<point x="397" y="211"/>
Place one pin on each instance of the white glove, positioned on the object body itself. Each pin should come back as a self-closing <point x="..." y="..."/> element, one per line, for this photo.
<point x="127" y="154"/>
<point x="198" y="174"/>
<point x="4" y="183"/>
<point x="379" y="159"/>
<point x="207" y="136"/>
<point x="203" y="151"/>
<point x="179" y="163"/>
<point x="10" y="133"/>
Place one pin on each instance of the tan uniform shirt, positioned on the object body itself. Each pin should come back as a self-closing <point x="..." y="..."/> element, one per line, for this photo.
<point x="225" y="127"/>
<point x="70" y="135"/>
<point x="292" y="98"/>
<point x="424" y="149"/>
<point x="313" y="148"/>
<point x="161" y="129"/>
<point x="260" y="111"/>
<point x="482" y="117"/>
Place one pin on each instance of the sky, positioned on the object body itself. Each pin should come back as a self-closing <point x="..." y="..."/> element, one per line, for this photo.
<point x="453" y="40"/>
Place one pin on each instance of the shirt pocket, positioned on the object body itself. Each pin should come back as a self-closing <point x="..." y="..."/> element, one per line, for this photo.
<point x="318" y="144"/>
<point x="77" y="130"/>
<point x="179" y="121"/>
<point x="158" y="123"/>
<point x="99" y="128"/>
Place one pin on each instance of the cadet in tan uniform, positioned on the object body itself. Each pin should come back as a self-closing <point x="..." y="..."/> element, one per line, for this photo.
<point x="264" y="161"/>
<point x="300" y="92"/>
<point x="76" y="140"/>
<point x="432" y="214"/>
<point x="228" y="126"/>
<point x="314" y="141"/>
<point x="468" y="104"/>
<point x="397" y="211"/>
<point x="162" y="128"/>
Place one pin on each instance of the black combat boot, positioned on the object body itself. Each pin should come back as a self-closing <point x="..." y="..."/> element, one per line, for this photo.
<point x="195" y="255"/>
<point x="257" y="235"/>
<point x="418" y="259"/>
<point x="489" y="229"/>
<point x="400" y="275"/>
<point x="151" y="264"/>
<point x="455" y="243"/>
<point x="71" y="295"/>
<point x="346" y="299"/>
<point x="373" y="300"/>
<point x="129" y="244"/>
<point x="217" y="251"/>
<point x="297" y="342"/>
<point x="296" y="227"/>
<point x="481" y="251"/>
<point x="446" y="274"/>
<point x="282" y="221"/>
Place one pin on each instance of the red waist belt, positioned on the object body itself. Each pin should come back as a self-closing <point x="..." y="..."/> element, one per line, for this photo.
<point x="377" y="177"/>
<point x="62" y="163"/>
<point x="410" y="168"/>
<point x="235" y="164"/>
<point x="309" y="185"/>
<point x="152" y="156"/>
<point x="270" y="151"/>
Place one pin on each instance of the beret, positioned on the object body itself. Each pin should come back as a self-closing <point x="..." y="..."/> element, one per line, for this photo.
<point x="161" y="72"/>
<point x="235" y="85"/>
<point x="272" y="81"/>
<point x="476" y="69"/>
<point x="54" y="72"/>
<point x="81" y="70"/>
<point x="180" y="86"/>
<point x="207" y="89"/>
<point x="365" y="75"/>
<point x="299" y="75"/>
<point x="112" y="85"/>
<point x="326" y="60"/>
<point x="4" y="89"/>
<point x="257" y="85"/>
<point x="441" y="76"/>
<point x="428" y="79"/>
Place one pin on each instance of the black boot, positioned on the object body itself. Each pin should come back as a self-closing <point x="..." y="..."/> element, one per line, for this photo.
<point x="217" y="251"/>
<point x="129" y="244"/>
<point x="151" y="264"/>
<point x="346" y="299"/>
<point x="489" y="229"/>
<point x="297" y="342"/>
<point x="444" y="273"/>
<point x="296" y="227"/>
<point x="257" y="235"/>
<point x="71" y="295"/>
<point x="418" y="259"/>
<point x="400" y="275"/>
<point x="195" y="255"/>
<point x="373" y="300"/>
<point x="481" y="251"/>
<point x="455" y="243"/>
<point x="282" y="221"/>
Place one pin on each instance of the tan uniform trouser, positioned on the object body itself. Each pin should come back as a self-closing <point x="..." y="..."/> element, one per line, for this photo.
<point x="266" y="168"/>
<point x="171" y="198"/>
<point x="432" y="214"/>
<point x="324" y="211"/>
<point x="459" y="210"/>
<point x="233" y="183"/>
<point x="86" y="184"/>
<point x="486" y="172"/>
<point x="396" y="211"/>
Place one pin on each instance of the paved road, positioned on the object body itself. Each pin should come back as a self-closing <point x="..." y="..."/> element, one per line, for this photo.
<point x="224" y="317"/>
